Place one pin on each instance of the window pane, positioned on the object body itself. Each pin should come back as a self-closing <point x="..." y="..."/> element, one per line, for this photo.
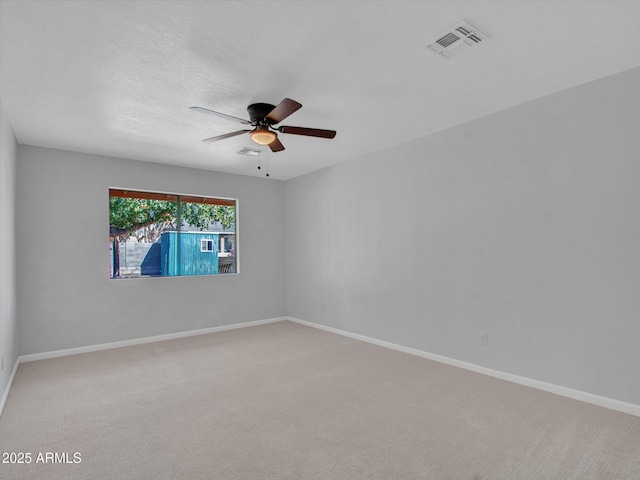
<point x="207" y="244"/>
<point x="136" y="224"/>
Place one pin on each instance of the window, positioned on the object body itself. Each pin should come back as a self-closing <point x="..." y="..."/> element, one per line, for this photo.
<point x="206" y="245"/>
<point x="153" y="234"/>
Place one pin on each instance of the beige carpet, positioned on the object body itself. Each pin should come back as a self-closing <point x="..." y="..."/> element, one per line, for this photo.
<point x="285" y="401"/>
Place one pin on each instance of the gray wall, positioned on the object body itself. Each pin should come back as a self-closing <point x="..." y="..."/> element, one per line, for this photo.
<point x="524" y="225"/>
<point x="8" y="329"/>
<point x="67" y="302"/>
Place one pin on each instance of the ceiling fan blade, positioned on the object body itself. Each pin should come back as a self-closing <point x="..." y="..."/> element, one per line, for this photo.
<point x="222" y="115"/>
<point x="309" y="132"/>
<point x="285" y="108"/>
<point x="276" y="146"/>
<point x="226" y="135"/>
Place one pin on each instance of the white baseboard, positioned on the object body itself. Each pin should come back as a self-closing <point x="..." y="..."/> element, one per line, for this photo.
<point x="6" y="390"/>
<point x="625" y="407"/>
<point x="139" y="341"/>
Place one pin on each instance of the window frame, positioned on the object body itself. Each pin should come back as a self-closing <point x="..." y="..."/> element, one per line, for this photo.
<point x="126" y="192"/>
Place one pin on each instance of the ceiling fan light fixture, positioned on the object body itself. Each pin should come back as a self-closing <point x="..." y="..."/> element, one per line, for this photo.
<point x="262" y="136"/>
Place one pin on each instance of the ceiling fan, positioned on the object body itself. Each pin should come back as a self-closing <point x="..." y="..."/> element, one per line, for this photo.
<point x="263" y="117"/>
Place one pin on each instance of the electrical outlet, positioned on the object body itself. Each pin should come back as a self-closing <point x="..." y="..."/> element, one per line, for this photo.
<point x="2" y="368"/>
<point x="323" y="308"/>
<point x="484" y="339"/>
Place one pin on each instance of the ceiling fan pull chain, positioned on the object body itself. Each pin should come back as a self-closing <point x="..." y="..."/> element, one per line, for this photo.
<point x="267" y="153"/>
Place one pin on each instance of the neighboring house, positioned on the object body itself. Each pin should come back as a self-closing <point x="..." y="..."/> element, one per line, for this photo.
<point x="202" y="253"/>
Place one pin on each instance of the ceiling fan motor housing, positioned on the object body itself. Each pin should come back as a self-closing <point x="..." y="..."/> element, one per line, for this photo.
<point x="258" y="113"/>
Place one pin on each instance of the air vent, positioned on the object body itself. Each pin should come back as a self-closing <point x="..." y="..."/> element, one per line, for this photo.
<point x="460" y="34"/>
<point x="252" y="152"/>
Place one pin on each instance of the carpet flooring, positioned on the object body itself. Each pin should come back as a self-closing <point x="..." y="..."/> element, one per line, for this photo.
<point x="286" y="401"/>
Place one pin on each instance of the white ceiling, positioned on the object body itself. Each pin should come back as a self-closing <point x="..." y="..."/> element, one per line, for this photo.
<point x="118" y="77"/>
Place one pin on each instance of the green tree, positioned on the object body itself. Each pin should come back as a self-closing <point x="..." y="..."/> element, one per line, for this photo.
<point x="147" y="219"/>
<point x="201" y="215"/>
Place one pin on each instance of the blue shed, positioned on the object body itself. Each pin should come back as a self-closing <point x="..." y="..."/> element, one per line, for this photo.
<point x="198" y="252"/>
